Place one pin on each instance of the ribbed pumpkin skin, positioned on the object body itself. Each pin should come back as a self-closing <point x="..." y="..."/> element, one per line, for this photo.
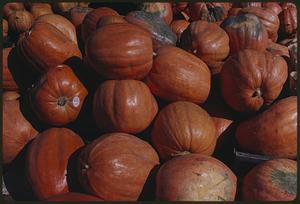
<point x="177" y="75"/>
<point x="288" y="19"/>
<point x="195" y="177"/>
<point x="73" y="197"/>
<point x="178" y="26"/>
<point x="273" y="132"/>
<point x="183" y="127"/>
<point x="77" y="14"/>
<point x="20" y="21"/>
<point x="61" y="23"/>
<point x="90" y="21"/>
<point x="105" y="20"/>
<point x="124" y="106"/>
<point x="40" y="9"/>
<point x="245" y="32"/>
<point x="4" y="29"/>
<point x="251" y="79"/>
<point x="274" y="6"/>
<point x="268" y="18"/>
<point x="115" y="166"/>
<point x="163" y="10"/>
<point x="47" y="159"/>
<point x="17" y="131"/>
<point x="273" y="180"/>
<point x="210" y="12"/>
<point x="10" y="8"/>
<point x="8" y="83"/>
<point x="44" y="46"/>
<point x="206" y="40"/>
<point x="120" y="51"/>
<point x="58" y="96"/>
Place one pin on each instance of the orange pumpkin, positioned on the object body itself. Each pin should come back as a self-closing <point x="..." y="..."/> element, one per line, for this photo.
<point x="20" y="21"/>
<point x="10" y="8"/>
<point x="274" y="6"/>
<point x="4" y="28"/>
<point x="288" y="19"/>
<point x="39" y="9"/>
<point x="163" y="10"/>
<point x="178" y="26"/>
<point x="9" y="82"/>
<point x="105" y="20"/>
<point x="77" y="14"/>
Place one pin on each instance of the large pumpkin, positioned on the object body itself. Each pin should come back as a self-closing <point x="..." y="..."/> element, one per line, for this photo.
<point x="163" y="10"/>
<point x="116" y="166"/>
<point x="105" y="20"/>
<point x="182" y="128"/>
<point x="178" y="75"/>
<point x="206" y="40"/>
<point x="74" y="197"/>
<point x="274" y="180"/>
<point x="58" y="96"/>
<point x="288" y="19"/>
<point x="40" y="9"/>
<point x="251" y="79"/>
<point x="124" y="106"/>
<point x="245" y="32"/>
<point x="90" y="20"/>
<point x="274" y="6"/>
<point x="47" y="160"/>
<point x="44" y="46"/>
<point x="8" y="84"/>
<point x="17" y="131"/>
<point x="195" y="177"/>
<point x="272" y="132"/>
<point x="120" y="51"/>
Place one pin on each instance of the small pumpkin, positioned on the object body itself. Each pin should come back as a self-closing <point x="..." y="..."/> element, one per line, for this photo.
<point x="105" y="20"/>
<point x="279" y="140"/>
<point x="288" y="19"/>
<point x="206" y="40"/>
<point x="44" y="46"/>
<point x="90" y="21"/>
<point x="10" y="8"/>
<point x="73" y="197"/>
<point x="273" y="180"/>
<point x="178" y="26"/>
<point x="252" y="79"/>
<point x="58" y="96"/>
<point x="113" y="162"/>
<point x="160" y="31"/>
<point x="17" y="130"/>
<point x="61" y="23"/>
<point x="20" y="21"/>
<point x="245" y="31"/>
<point x="182" y="128"/>
<point x="4" y="28"/>
<point x="40" y="9"/>
<point x="177" y="75"/>
<point x="274" y="6"/>
<point x="124" y="106"/>
<point x="77" y="14"/>
<point x="120" y="51"/>
<point x="163" y="10"/>
<point x="47" y="159"/>
<point x="195" y="177"/>
<point x="9" y="83"/>
<point x="63" y="8"/>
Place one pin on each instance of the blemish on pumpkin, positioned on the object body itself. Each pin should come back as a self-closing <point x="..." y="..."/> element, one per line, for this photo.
<point x="257" y="93"/>
<point x="286" y="181"/>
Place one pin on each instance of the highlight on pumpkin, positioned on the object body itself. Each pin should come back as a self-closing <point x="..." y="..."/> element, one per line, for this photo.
<point x="149" y="101"/>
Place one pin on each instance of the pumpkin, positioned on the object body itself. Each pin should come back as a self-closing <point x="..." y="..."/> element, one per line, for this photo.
<point x="280" y="138"/>
<point x="58" y="96"/>
<point x="178" y="75"/>
<point x="274" y="6"/>
<point x="288" y="19"/>
<point x="63" y="7"/>
<point x="163" y="10"/>
<point x="182" y="128"/>
<point x="105" y="20"/>
<point x="89" y="23"/>
<point x="60" y="23"/>
<point x="47" y="159"/>
<point x="20" y="21"/>
<point x="8" y="83"/>
<point x="10" y="95"/>
<point x="206" y="40"/>
<point x="278" y="49"/>
<point x="234" y="11"/>
<point x="73" y="197"/>
<point x="120" y="51"/>
<point x="10" y="8"/>
<point x="17" y="131"/>
<point x="268" y="18"/>
<point x="77" y="14"/>
<point x="4" y="28"/>
<point x="195" y="177"/>
<point x="249" y="4"/>
<point x="180" y="6"/>
<point x="40" y="9"/>
<point x="161" y="33"/>
<point x="113" y="162"/>
<point x="178" y="26"/>
<point x="273" y="180"/>
<point x="245" y="31"/>
<point x="44" y="46"/>
<point x="252" y="79"/>
<point x="83" y="4"/>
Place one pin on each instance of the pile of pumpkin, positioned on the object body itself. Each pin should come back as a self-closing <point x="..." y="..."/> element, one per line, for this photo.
<point x="100" y="104"/>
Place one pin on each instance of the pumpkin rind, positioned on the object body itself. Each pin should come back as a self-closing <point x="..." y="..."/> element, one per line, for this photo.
<point x="177" y="75"/>
<point x="46" y="175"/>
<point x="274" y="6"/>
<point x="288" y="19"/>
<point x="124" y="106"/>
<point x="40" y="9"/>
<point x="113" y="168"/>
<point x="163" y="10"/>
<point x="10" y="8"/>
<point x="8" y="84"/>
<point x="195" y="177"/>
<point x="58" y="96"/>
<point x="279" y="139"/>
<point x="105" y="20"/>
<point x="251" y="79"/>
<point x="210" y="12"/>
<point x="20" y="21"/>
<point x="273" y="180"/>
<point x="77" y="14"/>
<point x="181" y="128"/>
<point x="178" y="26"/>
<point x="120" y="51"/>
<point x="4" y="29"/>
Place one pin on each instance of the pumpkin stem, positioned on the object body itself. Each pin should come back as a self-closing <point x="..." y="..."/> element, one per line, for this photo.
<point x="62" y="101"/>
<point x="257" y="93"/>
<point x="86" y="166"/>
<point x="181" y="153"/>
